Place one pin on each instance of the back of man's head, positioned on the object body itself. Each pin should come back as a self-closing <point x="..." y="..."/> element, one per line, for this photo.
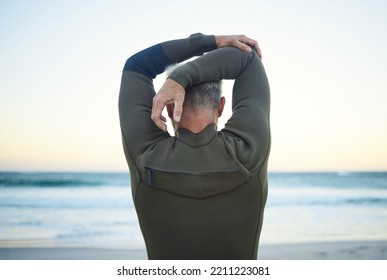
<point x="205" y="96"/>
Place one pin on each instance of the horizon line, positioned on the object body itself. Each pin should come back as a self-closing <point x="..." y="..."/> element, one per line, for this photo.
<point x="127" y="171"/>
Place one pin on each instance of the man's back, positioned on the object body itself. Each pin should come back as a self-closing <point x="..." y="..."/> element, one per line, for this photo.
<point x="199" y="195"/>
<point x="199" y="202"/>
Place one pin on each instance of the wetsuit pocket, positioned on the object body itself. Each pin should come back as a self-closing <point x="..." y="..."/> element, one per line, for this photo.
<point x="196" y="185"/>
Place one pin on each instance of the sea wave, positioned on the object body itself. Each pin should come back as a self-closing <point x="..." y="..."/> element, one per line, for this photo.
<point x="45" y="180"/>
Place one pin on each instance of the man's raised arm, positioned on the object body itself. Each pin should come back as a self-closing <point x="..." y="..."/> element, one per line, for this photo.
<point x="137" y="91"/>
<point x="173" y="90"/>
<point x="153" y="60"/>
<point x="251" y="98"/>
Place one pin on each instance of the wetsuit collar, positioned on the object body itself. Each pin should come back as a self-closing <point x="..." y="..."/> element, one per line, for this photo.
<point x="197" y="139"/>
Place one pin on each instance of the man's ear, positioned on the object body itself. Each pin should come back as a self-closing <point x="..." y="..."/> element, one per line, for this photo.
<point x="221" y="106"/>
<point x="170" y="108"/>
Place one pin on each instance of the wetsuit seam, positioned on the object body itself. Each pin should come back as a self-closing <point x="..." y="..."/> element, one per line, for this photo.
<point x="136" y="188"/>
<point x="260" y="218"/>
<point x="256" y="239"/>
<point x="139" y="220"/>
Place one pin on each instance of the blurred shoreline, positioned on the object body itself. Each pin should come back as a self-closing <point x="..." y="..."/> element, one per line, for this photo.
<point x="79" y="215"/>
<point x="337" y="250"/>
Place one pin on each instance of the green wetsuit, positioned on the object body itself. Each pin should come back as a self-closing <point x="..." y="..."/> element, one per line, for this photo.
<point x="198" y="196"/>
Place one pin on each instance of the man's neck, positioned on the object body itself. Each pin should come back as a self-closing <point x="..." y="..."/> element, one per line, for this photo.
<point x="196" y="122"/>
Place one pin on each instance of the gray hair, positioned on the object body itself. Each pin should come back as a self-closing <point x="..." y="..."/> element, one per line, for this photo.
<point x="197" y="97"/>
<point x="205" y="95"/>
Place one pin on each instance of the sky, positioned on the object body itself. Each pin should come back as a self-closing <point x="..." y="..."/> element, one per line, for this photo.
<point x="61" y="65"/>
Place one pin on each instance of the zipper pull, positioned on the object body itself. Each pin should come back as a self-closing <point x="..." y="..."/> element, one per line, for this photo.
<point x="149" y="172"/>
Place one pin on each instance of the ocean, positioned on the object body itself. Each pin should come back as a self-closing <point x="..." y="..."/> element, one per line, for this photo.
<point x="96" y="209"/>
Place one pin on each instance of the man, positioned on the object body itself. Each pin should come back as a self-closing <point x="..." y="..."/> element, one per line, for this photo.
<point x="202" y="193"/>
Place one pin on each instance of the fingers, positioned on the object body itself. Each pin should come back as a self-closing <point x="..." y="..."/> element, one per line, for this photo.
<point x="170" y="93"/>
<point x="157" y="108"/>
<point x="242" y="46"/>
<point x="241" y="42"/>
<point x="250" y="42"/>
<point x="178" y="108"/>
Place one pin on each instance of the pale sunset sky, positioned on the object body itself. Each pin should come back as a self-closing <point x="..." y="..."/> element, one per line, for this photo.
<point x="61" y="63"/>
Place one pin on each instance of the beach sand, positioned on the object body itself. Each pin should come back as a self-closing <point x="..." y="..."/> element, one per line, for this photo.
<point x="345" y="250"/>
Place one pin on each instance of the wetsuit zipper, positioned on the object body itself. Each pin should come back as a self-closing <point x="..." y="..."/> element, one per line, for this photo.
<point x="149" y="171"/>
